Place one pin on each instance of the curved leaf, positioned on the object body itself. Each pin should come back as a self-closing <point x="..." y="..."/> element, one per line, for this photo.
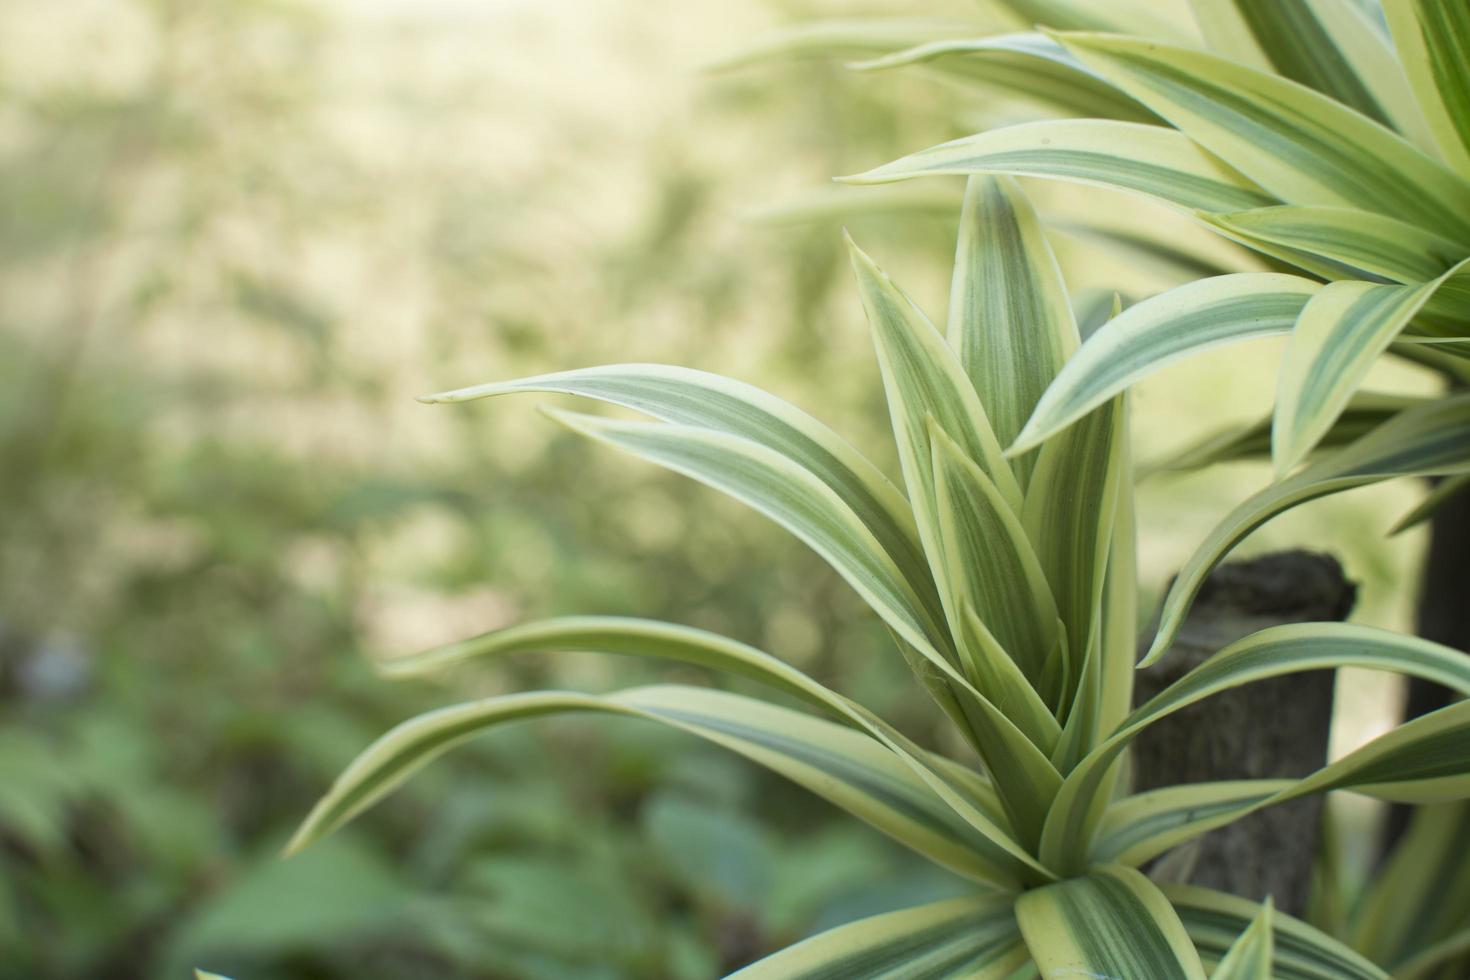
<point x="698" y="398"/>
<point x="788" y="494"/>
<point x="1340" y="333"/>
<point x="1030" y="65"/>
<point x="1142" y="826"/>
<point x="1152" y="160"/>
<point x="1296" y="143"/>
<point x="976" y="938"/>
<point x="1163" y="329"/>
<point x="1376" y="244"/>
<point x="1433" y="439"/>
<point x="1010" y="318"/>
<point x="858" y="37"/>
<point x="1250" y="956"/>
<point x="842" y="766"/>
<point x="1214" y="920"/>
<point x="1113" y="922"/>
<point x="1433" y="38"/>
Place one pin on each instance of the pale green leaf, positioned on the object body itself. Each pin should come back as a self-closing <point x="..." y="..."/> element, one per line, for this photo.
<point x="1001" y="681"/>
<point x="1340" y="333"/>
<point x="1250" y="957"/>
<point x="1151" y="160"/>
<point x="975" y="938"/>
<point x="1113" y="922"/>
<point x="1296" y="143"/>
<point x="1183" y="321"/>
<point x="1433" y="40"/>
<point x="698" y="398"/>
<point x="924" y="379"/>
<point x="1214" y="920"/>
<point x="1375" y="244"/>
<point x="842" y="766"/>
<point x="978" y="805"/>
<point x="1032" y="66"/>
<point x="1419" y="896"/>
<point x="988" y="562"/>
<point x="790" y="495"/>
<point x="1142" y="826"/>
<point x="1069" y="516"/>
<point x="1328" y="45"/>
<point x="1432" y="439"/>
<point x="1010" y="318"/>
<point x="1146" y="17"/>
<point x="1077" y="812"/>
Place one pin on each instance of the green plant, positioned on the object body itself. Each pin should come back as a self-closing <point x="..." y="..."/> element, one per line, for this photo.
<point x="1008" y="584"/>
<point x="1337" y="149"/>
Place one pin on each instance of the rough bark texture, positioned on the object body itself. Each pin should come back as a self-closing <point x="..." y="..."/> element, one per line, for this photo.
<point x="1443" y="615"/>
<point x="1268" y="730"/>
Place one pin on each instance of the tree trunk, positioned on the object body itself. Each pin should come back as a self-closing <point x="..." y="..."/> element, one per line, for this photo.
<point x="1267" y="730"/>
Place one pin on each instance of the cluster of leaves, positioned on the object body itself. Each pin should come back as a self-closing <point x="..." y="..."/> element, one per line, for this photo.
<point x="195" y="560"/>
<point x="1005" y="568"/>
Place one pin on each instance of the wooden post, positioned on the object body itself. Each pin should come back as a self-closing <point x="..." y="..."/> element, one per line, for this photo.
<point x="1268" y="730"/>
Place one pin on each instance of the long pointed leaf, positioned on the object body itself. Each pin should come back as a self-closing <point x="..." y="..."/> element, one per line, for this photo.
<point x="1009" y="315"/>
<point x="1250" y="957"/>
<point x="1187" y="320"/>
<point x="976" y="938"/>
<point x="1340" y="333"/>
<point x="1376" y="244"/>
<point x="923" y="379"/>
<point x="1296" y="143"/>
<point x="1113" y="922"/>
<point x="1433" y="439"/>
<point x="1214" y="920"/>
<point x="698" y="398"/>
<point x="1152" y="160"/>
<point x="844" y="767"/>
<point x="1433" y="39"/>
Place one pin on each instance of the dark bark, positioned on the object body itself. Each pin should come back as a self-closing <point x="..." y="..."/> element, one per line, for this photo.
<point x="1268" y="730"/>
<point x="1443" y="616"/>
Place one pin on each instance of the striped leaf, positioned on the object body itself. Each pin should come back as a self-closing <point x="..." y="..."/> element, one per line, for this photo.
<point x="1077" y="812"/>
<point x="1140" y="827"/>
<point x="1358" y="241"/>
<point x="975" y="938"/>
<point x="1032" y="66"/>
<point x="1214" y="920"/>
<point x="697" y="398"/>
<point x="987" y="561"/>
<point x="665" y="641"/>
<point x="1340" y="333"/>
<point x="1010" y="318"/>
<point x="836" y="763"/>
<point x="1433" y="439"/>
<point x="1152" y="160"/>
<point x="1298" y="144"/>
<point x="1069" y="516"/>
<point x="1418" y="898"/>
<point x="1192" y="318"/>
<point x="1328" y="45"/>
<point x="1113" y="922"/>
<point x="1250" y="957"/>
<point x="789" y="495"/>
<point x="1433" y="39"/>
<point x="924" y="379"/>
<point x="1426" y="760"/>
<point x="1001" y="681"/>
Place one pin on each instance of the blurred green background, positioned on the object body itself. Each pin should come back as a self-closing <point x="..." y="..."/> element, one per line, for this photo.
<point x="236" y="238"/>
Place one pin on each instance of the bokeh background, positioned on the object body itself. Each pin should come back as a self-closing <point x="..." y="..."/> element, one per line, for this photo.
<point x="236" y="238"/>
